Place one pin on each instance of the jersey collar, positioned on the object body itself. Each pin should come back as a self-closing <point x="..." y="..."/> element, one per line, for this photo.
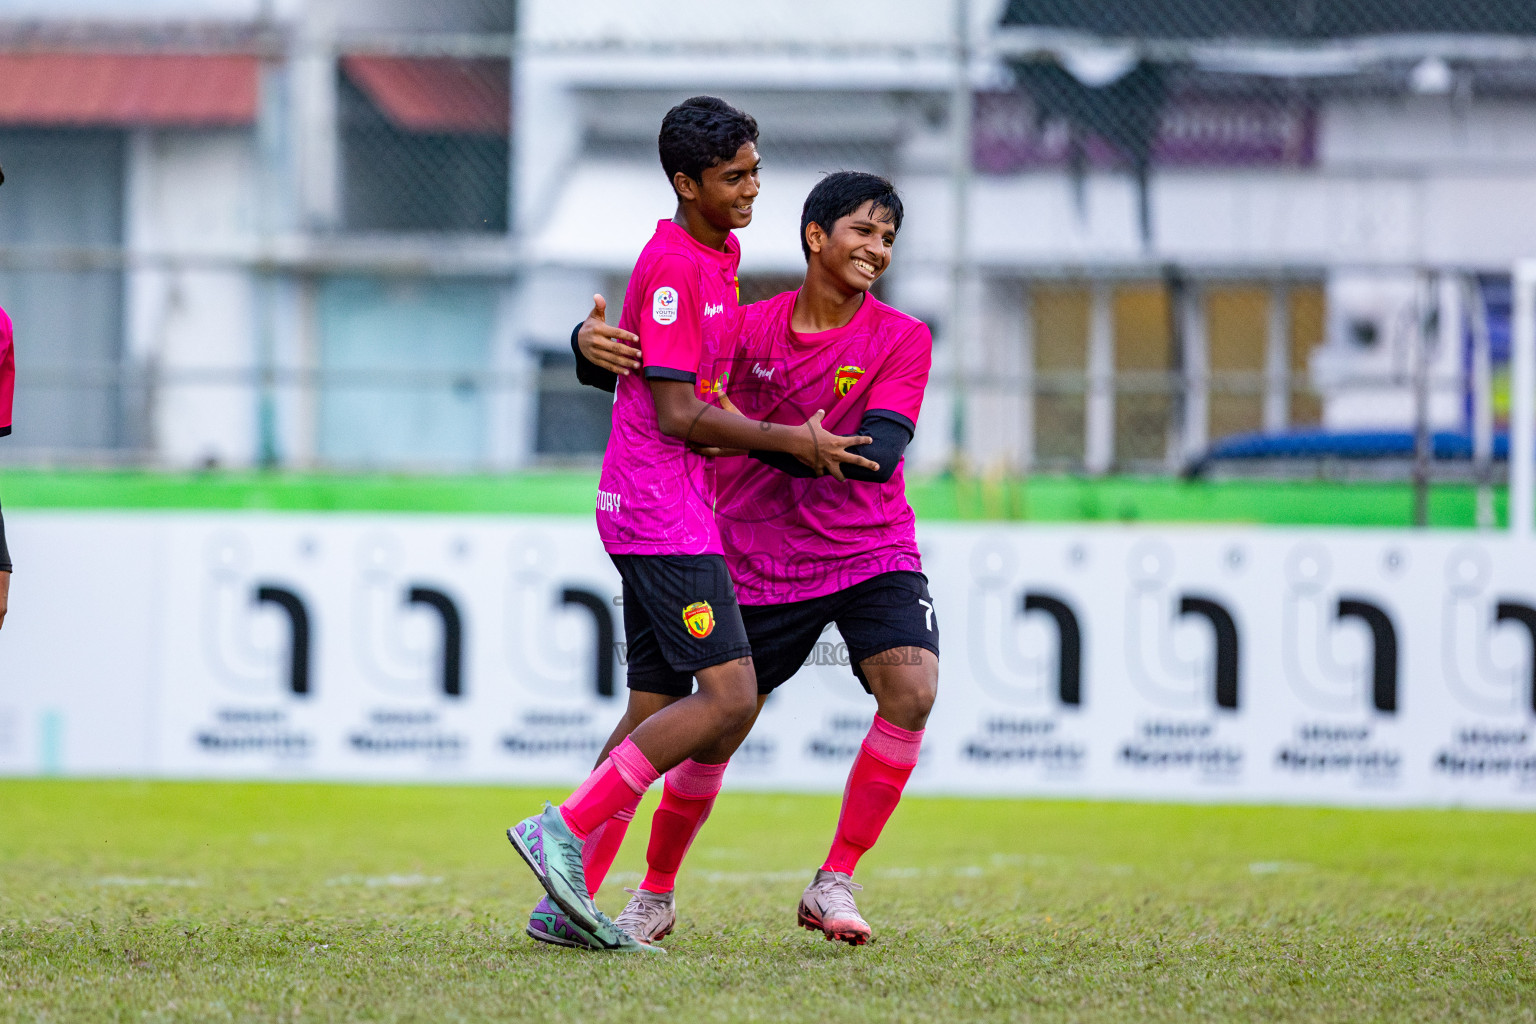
<point x="725" y="258"/>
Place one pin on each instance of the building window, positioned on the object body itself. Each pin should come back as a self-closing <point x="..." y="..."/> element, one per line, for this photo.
<point x="573" y="420"/>
<point x="403" y="371"/>
<point x="64" y="190"/>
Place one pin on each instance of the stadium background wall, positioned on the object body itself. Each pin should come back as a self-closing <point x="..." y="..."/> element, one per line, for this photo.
<point x="1231" y="663"/>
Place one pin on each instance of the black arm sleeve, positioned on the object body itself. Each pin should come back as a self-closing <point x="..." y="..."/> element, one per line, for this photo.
<point x="5" y="555"/>
<point x="891" y="432"/>
<point x="784" y="463"/>
<point x="588" y="372"/>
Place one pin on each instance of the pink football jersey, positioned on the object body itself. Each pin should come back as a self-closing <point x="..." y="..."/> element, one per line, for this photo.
<point x="656" y="497"/>
<point x="790" y="539"/>
<point x="7" y="373"/>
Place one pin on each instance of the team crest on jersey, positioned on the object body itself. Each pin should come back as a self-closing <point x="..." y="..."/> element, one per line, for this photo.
<point x="699" y="617"/>
<point x="664" y="306"/>
<point x="845" y="378"/>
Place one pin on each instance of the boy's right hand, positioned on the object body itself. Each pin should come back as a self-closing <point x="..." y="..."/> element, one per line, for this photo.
<point x="828" y="452"/>
<point x="610" y="348"/>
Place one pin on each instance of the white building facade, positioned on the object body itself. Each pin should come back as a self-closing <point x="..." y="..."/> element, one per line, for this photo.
<point x="357" y="234"/>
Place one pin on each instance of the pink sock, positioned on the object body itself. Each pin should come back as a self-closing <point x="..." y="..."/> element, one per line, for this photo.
<point x="624" y="776"/>
<point x="686" y="798"/>
<point x="879" y="773"/>
<point x="603" y="844"/>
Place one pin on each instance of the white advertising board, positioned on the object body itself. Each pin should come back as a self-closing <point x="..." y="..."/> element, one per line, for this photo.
<point x="1230" y="664"/>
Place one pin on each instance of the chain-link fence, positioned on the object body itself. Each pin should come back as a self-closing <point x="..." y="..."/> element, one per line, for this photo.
<point x="1140" y="231"/>
<point x="1287" y="173"/>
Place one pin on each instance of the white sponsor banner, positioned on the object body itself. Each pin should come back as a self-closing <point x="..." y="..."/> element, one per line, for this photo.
<point x="1232" y="664"/>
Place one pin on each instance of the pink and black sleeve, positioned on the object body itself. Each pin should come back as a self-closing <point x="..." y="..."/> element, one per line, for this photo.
<point x="670" y="322"/>
<point x="898" y="391"/>
<point x="7" y="399"/>
<point x="891" y="408"/>
<point x="7" y="373"/>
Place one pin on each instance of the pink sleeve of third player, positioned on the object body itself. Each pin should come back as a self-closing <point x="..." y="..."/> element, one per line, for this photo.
<point x="669" y="321"/>
<point x="901" y="383"/>
<point x="7" y="373"/>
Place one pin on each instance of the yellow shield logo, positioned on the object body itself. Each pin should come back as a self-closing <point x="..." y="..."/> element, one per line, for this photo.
<point x="699" y="617"/>
<point x="845" y="378"/>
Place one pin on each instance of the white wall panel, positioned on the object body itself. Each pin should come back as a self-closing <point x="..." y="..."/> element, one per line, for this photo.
<point x="1331" y="666"/>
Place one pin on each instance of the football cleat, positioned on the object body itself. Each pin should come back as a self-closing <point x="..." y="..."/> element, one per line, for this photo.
<point x="549" y="849"/>
<point x="548" y="923"/>
<point x="827" y="906"/>
<point x="648" y="916"/>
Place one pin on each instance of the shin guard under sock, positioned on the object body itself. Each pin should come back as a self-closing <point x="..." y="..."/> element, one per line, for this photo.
<point x="687" y="796"/>
<point x="879" y="773"/>
<point x="624" y="775"/>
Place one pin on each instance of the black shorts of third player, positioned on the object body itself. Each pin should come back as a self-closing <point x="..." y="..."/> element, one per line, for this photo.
<point x="680" y="616"/>
<point x="883" y="613"/>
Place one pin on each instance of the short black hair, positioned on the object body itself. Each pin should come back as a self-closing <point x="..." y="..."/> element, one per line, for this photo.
<point x="702" y="132"/>
<point x="842" y="192"/>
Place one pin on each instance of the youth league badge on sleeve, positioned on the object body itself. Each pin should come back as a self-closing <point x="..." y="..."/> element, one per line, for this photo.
<point x="664" y="306"/>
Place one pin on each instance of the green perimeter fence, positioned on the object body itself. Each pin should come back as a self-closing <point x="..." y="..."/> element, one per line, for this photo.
<point x="1041" y="499"/>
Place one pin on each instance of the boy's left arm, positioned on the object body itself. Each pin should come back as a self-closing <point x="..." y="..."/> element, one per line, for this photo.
<point x="890" y="413"/>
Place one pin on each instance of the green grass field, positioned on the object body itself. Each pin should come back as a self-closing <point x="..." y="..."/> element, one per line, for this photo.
<point x="203" y="902"/>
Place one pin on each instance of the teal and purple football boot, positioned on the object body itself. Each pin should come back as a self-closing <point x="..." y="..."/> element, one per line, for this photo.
<point x="548" y="923"/>
<point x="547" y="846"/>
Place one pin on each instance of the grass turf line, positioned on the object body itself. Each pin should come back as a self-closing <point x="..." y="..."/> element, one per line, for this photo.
<point x="195" y="901"/>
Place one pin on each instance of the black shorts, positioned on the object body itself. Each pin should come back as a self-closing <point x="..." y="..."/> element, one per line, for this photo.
<point x="882" y="613"/>
<point x="680" y="615"/>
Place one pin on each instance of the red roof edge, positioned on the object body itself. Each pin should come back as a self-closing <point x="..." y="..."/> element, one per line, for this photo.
<point x="446" y="95"/>
<point x="65" y="89"/>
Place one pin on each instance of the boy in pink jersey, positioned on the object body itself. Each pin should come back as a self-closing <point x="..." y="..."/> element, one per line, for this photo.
<point x="655" y="503"/>
<point x="7" y="399"/>
<point x="806" y="552"/>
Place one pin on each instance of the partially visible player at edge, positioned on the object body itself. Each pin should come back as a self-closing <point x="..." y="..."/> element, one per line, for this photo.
<point x="7" y="399"/>
<point x="806" y="552"/>
<point x="656" y="497"/>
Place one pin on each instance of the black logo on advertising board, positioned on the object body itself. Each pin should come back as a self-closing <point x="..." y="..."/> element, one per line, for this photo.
<point x="1361" y="694"/>
<point x="450" y="666"/>
<point x="602" y="636"/>
<point x="1201" y="674"/>
<point x="409" y="638"/>
<point x="258" y="644"/>
<point x="1163" y="673"/>
<point x="560" y="725"/>
<point x="1311" y="614"/>
<point x="1494" y="741"/>
<point x="538" y="601"/>
<point x="1069" y="644"/>
<point x="1040" y="684"/>
<point x="294" y="608"/>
